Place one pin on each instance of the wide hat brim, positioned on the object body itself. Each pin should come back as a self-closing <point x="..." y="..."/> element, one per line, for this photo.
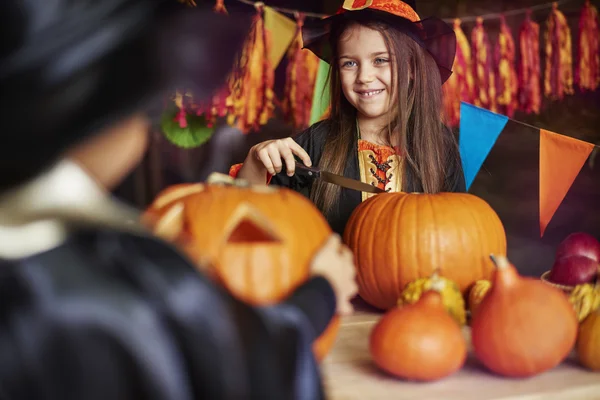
<point x="432" y="34"/>
<point x="76" y="67"/>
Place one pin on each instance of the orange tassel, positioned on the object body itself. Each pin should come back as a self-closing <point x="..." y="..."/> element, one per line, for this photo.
<point x="191" y="3"/>
<point x="459" y="87"/>
<point x="300" y="81"/>
<point x="530" y="92"/>
<point x="250" y="103"/>
<point x="220" y="7"/>
<point x="483" y="71"/>
<point x="506" y="82"/>
<point x="558" y="76"/>
<point x="587" y="74"/>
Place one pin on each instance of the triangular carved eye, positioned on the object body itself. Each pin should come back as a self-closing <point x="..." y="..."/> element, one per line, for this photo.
<point x="248" y="225"/>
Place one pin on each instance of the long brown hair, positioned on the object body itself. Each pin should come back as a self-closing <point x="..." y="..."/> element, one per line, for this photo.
<point x="415" y="123"/>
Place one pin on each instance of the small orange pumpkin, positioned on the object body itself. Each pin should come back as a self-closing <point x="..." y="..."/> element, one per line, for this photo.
<point x="258" y="241"/>
<point x="419" y="341"/>
<point x="522" y="326"/>
<point x="400" y="237"/>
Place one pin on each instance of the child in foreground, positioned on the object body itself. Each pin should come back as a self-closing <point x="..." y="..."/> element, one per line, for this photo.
<point x="92" y="306"/>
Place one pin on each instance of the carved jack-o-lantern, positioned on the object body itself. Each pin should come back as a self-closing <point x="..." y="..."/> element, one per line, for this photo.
<point x="258" y="241"/>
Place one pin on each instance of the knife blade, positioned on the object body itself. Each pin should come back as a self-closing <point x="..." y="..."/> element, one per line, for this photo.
<point x="337" y="179"/>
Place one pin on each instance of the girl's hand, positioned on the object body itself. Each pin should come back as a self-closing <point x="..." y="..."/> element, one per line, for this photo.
<point x="270" y="156"/>
<point x="335" y="262"/>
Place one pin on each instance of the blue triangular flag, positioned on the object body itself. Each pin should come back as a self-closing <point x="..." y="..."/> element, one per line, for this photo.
<point x="479" y="130"/>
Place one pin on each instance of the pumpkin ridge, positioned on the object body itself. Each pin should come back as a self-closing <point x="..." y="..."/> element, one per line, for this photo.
<point x="399" y="204"/>
<point x="356" y="221"/>
<point x="433" y="219"/>
<point x="473" y="214"/>
<point x="415" y="243"/>
<point x="398" y="208"/>
<point x="372" y="238"/>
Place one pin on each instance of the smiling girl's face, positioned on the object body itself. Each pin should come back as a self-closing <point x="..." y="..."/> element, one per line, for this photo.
<point x="365" y="71"/>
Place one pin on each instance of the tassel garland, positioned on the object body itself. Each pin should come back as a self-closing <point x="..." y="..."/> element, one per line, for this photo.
<point x="558" y="77"/>
<point x="220" y="7"/>
<point x="530" y="92"/>
<point x="300" y="81"/>
<point x="507" y="85"/>
<point x="250" y="103"/>
<point x="483" y="71"/>
<point x="459" y="87"/>
<point x="587" y="74"/>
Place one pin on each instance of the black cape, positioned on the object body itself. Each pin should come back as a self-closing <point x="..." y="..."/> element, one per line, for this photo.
<point x="313" y="140"/>
<point x="114" y="315"/>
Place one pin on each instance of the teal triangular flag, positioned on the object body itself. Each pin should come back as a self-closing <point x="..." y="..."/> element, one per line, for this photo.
<point x="479" y="130"/>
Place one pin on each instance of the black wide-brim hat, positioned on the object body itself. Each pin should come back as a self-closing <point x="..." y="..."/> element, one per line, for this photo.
<point x="70" y="67"/>
<point x="432" y="34"/>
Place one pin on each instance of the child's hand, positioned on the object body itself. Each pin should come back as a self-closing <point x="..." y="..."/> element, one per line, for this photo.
<point x="335" y="262"/>
<point x="269" y="154"/>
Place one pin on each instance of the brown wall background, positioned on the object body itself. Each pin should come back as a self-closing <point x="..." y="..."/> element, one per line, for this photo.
<point x="508" y="180"/>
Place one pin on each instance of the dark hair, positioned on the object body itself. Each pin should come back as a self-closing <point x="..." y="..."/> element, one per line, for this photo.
<point x="69" y="68"/>
<point x="428" y="149"/>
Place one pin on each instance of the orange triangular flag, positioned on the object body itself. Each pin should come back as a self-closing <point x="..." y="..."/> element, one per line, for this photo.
<point x="561" y="159"/>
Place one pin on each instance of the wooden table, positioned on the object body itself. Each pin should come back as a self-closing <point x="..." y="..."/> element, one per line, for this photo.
<point x="350" y="374"/>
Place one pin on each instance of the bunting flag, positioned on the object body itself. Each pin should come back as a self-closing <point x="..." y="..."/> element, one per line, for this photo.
<point x="530" y="92"/>
<point x="558" y="74"/>
<point x="561" y="159"/>
<point x="507" y="85"/>
<point x="479" y="130"/>
<point x="483" y="69"/>
<point x="282" y="31"/>
<point x="587" y="74"/>
<point x="321" y="96"/>
<point x="459" y="87"/>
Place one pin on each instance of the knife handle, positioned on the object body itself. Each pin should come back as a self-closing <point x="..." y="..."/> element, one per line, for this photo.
<point x="311" y="172"/>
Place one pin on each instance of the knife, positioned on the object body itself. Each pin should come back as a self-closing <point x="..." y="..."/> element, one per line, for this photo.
<point x="337" y="179"/>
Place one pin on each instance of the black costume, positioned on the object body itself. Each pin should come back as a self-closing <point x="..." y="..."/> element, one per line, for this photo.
<point x="91" y="305"/>
<point x="367" y="162"/>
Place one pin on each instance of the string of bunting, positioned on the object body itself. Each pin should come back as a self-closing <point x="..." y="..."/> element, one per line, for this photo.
<point x="486" y="76"/>
<point x="561" y="157"/>
<point x="470" y="18"/>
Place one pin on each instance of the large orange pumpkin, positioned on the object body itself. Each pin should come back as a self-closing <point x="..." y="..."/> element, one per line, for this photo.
<point x="400" y="237"/>
<point x="259" y="241"/>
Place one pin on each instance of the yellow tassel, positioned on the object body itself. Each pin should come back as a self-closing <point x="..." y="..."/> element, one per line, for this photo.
<point x="587" y="74"/>
<point x="251" y="99"/>
<point x="558" y="74"/>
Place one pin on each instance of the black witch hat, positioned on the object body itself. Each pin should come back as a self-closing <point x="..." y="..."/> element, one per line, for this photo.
<point x="433" y="34"/>
<point x="69" y="67"/>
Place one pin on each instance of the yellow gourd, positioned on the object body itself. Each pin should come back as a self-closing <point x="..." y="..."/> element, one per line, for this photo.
<point x="477" y="293"/>
<point x="585" y="298"/>
<point x="451" y="296"/>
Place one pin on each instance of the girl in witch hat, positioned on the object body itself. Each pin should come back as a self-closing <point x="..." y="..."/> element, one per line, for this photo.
<point x="385" y="125"/>
<point x="91" y="305"/>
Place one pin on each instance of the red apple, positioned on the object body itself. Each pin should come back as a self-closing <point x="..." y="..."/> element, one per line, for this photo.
<point x="579" y="243"/>
<point x="573" y="270"/>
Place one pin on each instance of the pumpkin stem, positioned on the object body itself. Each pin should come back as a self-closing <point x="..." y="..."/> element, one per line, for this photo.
<point x="437" y="283"/>
<point x="506" y="273"/>
<point x="501" y="262"/>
